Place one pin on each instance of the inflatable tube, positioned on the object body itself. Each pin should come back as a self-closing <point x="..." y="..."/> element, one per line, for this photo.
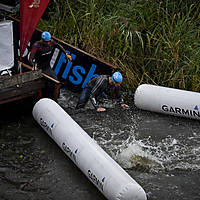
<point x="91" y="159"/>
<point x="168" y="101"/>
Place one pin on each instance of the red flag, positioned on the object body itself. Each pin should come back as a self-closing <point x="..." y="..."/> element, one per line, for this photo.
<point x="30" y="13"/>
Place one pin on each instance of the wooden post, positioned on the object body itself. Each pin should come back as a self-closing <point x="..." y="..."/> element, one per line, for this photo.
<point x="56" y="91"/>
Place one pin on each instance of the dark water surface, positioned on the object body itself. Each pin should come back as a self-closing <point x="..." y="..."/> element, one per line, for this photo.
<point x="162" y="153"/>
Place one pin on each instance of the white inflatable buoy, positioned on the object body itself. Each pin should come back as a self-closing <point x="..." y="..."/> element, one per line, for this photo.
<point x="168" y="101"/>
<point x="113" y="181"/>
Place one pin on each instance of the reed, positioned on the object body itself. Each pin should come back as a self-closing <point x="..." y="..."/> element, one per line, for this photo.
<point x="150" y="41"/>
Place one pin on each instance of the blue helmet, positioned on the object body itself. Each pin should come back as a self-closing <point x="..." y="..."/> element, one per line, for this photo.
<point x="117" y="76"/>
<point x="46" y="36"/>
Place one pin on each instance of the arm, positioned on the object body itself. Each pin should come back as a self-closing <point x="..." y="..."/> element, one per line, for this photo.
<point x="94" y="103"/>
<point x="69" y="58"/>
<point x="33" y="51"/>
<point x="120" y="100"/>
<point x="97" y="84"/>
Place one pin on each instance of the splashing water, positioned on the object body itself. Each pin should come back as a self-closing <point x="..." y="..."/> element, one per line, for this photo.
<point x="169" y="154"/>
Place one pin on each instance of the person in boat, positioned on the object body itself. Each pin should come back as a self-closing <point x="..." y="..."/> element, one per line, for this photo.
<point x="40" y="57"/>
<point x="102" y="87"/>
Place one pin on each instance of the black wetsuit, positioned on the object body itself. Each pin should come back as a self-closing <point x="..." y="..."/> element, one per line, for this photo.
<point x="42" y="53"/>
<point x="99" y="88"/>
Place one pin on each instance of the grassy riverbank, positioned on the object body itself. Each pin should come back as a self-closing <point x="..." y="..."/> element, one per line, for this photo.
<point x="156" y="42"/>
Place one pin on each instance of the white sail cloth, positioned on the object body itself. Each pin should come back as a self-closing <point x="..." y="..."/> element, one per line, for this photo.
<point x="6" y="45"/>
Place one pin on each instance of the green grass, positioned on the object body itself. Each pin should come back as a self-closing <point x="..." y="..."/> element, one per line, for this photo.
<point x="150" y="41"/>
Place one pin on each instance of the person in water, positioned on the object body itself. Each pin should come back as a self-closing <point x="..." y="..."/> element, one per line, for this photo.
<point x="102" y="86"/>
<point x="40" y="57"/>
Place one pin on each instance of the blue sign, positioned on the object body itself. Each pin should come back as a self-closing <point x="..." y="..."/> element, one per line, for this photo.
<point x="78" y="72"/>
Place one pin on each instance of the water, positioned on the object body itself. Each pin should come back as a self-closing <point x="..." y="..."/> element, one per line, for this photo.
<point x="161" y="152"/>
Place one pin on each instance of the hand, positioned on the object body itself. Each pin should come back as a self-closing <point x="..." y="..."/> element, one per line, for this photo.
<point x="69" y="58"/>
<point x="101" y="109"/>
<point x="124" y="105"/>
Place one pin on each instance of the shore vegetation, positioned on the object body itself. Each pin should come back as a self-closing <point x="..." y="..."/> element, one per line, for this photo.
<point x="150" y="41"/>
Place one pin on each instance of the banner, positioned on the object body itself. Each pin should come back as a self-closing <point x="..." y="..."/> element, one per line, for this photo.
<point x="30" y="13"/>
<point x="6" y="44"/>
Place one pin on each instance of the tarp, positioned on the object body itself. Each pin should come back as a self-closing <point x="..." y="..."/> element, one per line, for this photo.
<point x="6" y="45"/>
<point x="30" y="13"/>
